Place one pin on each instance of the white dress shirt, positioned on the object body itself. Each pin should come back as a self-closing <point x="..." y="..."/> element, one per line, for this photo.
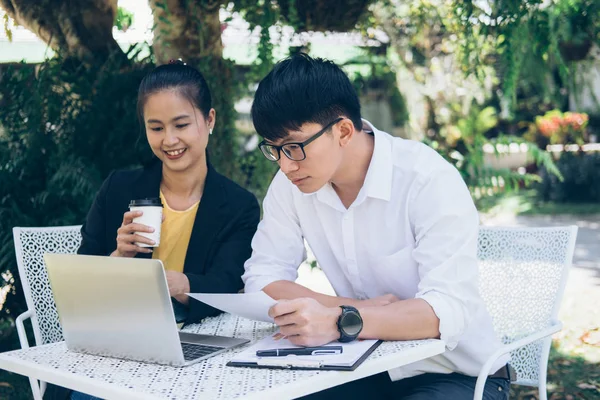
<point x="411" y="232"/>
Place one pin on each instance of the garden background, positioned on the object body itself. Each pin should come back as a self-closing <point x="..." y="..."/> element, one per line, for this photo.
<point x="508" y="91"/>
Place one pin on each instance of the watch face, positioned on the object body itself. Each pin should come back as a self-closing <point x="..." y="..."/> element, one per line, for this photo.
<point x="351" y="323"/>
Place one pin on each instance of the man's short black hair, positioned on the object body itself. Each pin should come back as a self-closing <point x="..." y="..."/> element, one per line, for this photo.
<point x="299" y="90"/>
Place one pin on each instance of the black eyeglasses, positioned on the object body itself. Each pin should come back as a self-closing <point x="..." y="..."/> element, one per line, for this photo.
<point x="293" y="150"/>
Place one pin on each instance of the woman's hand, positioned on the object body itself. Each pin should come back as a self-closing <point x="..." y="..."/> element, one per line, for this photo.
<point x="179" y="285"/>
<point x="127" y="237"/>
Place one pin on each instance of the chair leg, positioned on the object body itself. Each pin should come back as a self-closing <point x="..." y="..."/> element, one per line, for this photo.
<point x="543" y="391"/>
<point x="35" y="389"/>
<point x="542" y="378"/>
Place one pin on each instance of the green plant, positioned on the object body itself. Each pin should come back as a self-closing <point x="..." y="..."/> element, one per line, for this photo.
<point x="124" y="19"/>
<point x="464" y="142"/>
<point x="380" y="80"/>
<point x="63" y="128"/>
<point x="255" y="172"/>
<point x="547" y="34"/>
<point x="577" y="27"/>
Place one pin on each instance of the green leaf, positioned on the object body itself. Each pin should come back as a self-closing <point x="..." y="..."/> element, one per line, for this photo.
<point x="7" y="29"/>
<point x="164" y="20"/>
<point x="161" y="5"/>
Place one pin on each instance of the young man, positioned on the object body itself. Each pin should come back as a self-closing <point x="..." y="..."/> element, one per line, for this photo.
<point x="392" y="225"/>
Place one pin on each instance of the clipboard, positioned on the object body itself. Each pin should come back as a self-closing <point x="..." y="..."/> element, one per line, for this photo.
<point x="354" y="354"/>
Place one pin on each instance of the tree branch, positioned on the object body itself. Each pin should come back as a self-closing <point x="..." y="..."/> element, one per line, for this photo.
<point x="80" y="29"/>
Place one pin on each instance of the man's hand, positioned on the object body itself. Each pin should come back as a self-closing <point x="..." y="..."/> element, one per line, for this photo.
<point x="306" y="322"/>
<point x="178" y="283"/>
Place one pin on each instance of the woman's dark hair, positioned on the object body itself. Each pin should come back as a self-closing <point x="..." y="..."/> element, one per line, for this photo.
<point x="176" y="75"/>
<point x="303" y="89"/>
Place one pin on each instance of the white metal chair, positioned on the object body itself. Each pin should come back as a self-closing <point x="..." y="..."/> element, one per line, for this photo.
<point x="30" y="246"/>
<point x="523" y="273"/>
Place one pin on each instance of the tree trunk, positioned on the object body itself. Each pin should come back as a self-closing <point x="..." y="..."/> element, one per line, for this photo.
<point x="191" y="30"/>
<point x="80" y="29"/>
<point x="186" y="29"/>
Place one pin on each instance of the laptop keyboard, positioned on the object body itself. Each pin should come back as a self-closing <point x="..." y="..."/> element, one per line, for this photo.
<point x="195" y="351"/>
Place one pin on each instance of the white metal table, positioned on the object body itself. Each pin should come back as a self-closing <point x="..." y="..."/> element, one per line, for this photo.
<point x="111" y="378"/>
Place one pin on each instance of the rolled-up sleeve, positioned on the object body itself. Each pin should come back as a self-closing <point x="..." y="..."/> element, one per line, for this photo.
<point x="278" y="245"/>
<point x="446" y="224"/>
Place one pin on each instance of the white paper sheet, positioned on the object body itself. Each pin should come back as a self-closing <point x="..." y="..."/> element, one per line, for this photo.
<point x="248" y="305"/>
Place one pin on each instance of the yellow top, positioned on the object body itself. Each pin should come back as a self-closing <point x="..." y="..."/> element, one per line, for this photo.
<point x="175" y="234"/>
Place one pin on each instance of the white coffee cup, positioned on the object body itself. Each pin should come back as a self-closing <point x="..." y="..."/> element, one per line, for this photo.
<point x="152" y="210"/>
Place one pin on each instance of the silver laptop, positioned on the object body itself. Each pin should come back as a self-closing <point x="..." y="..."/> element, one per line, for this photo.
<point x="120" y="307"/>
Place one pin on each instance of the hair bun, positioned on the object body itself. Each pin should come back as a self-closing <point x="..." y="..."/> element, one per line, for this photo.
<point x="177" y="61"/>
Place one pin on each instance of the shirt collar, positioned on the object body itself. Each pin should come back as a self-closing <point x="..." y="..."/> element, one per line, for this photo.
<point x="378" y="181"/>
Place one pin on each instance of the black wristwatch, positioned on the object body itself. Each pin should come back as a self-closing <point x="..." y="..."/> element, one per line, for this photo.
<point x="349" y="324"/>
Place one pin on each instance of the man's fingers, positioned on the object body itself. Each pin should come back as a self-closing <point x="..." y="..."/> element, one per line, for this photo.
<point x="284" y="307"/>
<point x="286" y="319"/>
<point x="291" y="330"/>
<point x="296" y="340"/>
<point x="299" y="340"/>
<point x="275" y="310"/>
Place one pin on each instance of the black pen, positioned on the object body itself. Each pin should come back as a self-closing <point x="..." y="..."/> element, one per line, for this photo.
<point x="301" y="351"/>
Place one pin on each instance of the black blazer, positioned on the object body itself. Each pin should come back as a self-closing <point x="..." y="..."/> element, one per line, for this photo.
<point x="225" y="223"/>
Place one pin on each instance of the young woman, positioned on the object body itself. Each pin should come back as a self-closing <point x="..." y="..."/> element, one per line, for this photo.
<point x="208" y="221"/>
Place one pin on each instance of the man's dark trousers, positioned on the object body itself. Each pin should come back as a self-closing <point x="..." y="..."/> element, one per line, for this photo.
<point x="421" y="387"/>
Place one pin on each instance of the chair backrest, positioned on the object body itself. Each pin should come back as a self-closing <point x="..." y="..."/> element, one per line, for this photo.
<point x="523" y="272"/>
<point x="30" y="246"/>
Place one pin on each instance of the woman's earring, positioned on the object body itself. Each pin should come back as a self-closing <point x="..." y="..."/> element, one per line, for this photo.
<point x="210" y="131"/>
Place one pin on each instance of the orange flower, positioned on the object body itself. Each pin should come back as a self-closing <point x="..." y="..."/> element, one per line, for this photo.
<point x="575" y="120"/>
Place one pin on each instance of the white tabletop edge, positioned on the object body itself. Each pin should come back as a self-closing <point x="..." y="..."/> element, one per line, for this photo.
<point x="301" y="388"/>
<point x="65" y="379"/>
<point x="335" y="378"/>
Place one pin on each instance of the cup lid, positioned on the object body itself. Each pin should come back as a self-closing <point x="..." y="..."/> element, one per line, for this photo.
<point x="153" y="202"/>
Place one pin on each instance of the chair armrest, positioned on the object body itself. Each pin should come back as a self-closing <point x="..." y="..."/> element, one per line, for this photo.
<point x="21" y="328"/>
<point x="507" y="348"/>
